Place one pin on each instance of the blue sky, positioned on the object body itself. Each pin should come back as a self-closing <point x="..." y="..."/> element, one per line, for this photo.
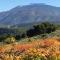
<point x="9" y="4"/>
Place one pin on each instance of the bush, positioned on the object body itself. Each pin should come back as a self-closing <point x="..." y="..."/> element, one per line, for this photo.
<point x="23" y="35"/>
<point x="34" y="58"/>
<point x="43" y="28"/>
<point x="18" y="37"/>
<point x="52" y="58"/>
<point x="10" y="40"/>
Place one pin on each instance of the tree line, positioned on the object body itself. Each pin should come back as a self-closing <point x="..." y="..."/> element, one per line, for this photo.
<point x="39" y="29"/>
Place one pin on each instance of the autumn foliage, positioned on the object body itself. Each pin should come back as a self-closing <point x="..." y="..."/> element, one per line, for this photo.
<point x="47" y="49"/>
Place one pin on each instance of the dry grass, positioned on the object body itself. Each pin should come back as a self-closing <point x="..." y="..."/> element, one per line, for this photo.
<point x="44" y="47"/>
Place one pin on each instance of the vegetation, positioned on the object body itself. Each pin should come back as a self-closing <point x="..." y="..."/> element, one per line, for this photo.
<point x="42" y="42"/>
<point x="47" y="49"/>
<point x="43" y="28"/>
<point x="10" y="40"/>
<point x="40" y="29"/>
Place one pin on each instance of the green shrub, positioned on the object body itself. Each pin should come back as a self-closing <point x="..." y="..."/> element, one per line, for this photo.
<point x="10" y="40"/>
<point x="42" y="28"/>
<point x="29" y="57"/>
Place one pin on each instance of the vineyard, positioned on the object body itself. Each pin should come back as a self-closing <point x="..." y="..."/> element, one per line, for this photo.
<point x="43" y="49"/>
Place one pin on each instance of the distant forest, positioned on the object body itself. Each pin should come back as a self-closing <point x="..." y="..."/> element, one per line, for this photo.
<point x="39" y="29"/>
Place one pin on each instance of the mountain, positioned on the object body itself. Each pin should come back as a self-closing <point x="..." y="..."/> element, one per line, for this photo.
<point x="34" y="13"/>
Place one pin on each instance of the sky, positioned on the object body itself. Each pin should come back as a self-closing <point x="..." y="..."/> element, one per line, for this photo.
<point x="9" y="4"/>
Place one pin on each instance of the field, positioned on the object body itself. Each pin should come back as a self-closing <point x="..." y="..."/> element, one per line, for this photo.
<point x="40" y="43"/>
<point x="38" y="49"/>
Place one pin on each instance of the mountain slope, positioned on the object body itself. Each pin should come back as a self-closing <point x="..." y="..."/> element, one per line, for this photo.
<point x="30" y="14"/>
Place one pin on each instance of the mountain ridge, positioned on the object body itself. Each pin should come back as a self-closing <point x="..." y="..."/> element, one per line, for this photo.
<point x="30" y="14"/>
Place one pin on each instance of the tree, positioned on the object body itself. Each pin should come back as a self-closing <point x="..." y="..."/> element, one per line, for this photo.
<point x="18" y="37"/>
<point x="42" y="28"/>
<point x="23" y="35"/>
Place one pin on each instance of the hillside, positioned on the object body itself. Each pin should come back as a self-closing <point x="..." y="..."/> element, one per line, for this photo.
<point x="30" y="14"/>
<point x="40" y="49"/>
